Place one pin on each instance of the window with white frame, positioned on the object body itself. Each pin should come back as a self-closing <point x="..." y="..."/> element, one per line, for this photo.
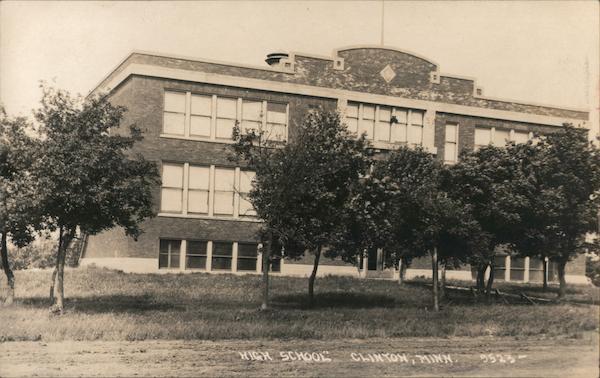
<point x="245" y="207"/>
<point x="174" y="113"/>
<point x="247" y="256"/>
<point x="222" y="254"/>
<point x="451" y="143"/>
<point x="224" y="191"/>
<point x="498" y="137"/>
<point x="198" y="189"/>
<point x="196" y="254"/>
<point x="172" y="188"/>
<point x="168" y="253"/>
<point x="386" y="123"/>
<point x="211" y="117"/>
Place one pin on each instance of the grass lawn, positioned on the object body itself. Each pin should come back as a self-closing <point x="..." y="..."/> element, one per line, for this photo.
<point x="110" y="305"/>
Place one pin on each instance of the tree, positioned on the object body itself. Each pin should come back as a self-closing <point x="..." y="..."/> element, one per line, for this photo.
<point x="565" y="177"/>
<point x="19" y="215"/>
<point x="302" y="190"/>
<point x="89" y="180"/>
<point x="492" y="182"/>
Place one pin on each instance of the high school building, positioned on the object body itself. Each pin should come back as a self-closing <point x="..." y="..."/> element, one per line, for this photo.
<point x="187" y="108"/>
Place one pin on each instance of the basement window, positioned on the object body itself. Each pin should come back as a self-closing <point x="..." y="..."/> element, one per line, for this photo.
<point x="247" y="256"/>
<point x="195" y="257"/>
<point x="168" y="255"/>
<point x="222" y="253"/>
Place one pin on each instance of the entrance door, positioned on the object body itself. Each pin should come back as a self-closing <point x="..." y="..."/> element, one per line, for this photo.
<point x="372" y="261"/>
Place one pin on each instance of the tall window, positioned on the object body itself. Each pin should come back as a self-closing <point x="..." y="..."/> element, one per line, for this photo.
<point x="168" y="254"/>
<point x="451" y="143"/>
<point x="200" y="115"/>
<point x="224" y="191"/>
<point x="212" y="117"/>
<point x="385" y="123"/>
<point x="172" y="188"/>
<point x="222" y="253"/>
<point x="174" y="114"/>
<point x="198" y="189"/>
<point x="245" y="207"/>
<point x="195" y="256"/>
<point x="247" y="256"/>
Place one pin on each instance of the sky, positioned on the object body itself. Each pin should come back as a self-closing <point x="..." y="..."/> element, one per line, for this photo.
<point x="530" y="51"/>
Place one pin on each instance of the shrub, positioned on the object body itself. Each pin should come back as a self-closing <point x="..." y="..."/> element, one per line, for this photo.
<point x="592" y="268"/>
<point x="42" y="254"/>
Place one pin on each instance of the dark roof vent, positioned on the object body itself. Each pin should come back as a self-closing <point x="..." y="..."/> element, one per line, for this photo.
<point x="274" y="58"/>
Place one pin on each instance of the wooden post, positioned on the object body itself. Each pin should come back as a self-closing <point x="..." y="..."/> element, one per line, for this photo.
<point x="434" y="268"/>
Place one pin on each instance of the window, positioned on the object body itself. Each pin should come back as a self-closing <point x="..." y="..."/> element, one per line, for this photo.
<point x="451" y="143"/>
<point x="172" y="188"/>
<point x="222" y="253"/>
<point x="224" y="191"/>
<point x="174" y="113"/>
<point x="276" y="121"/>
<point x="245" y="207"/>
<point x="501" y="137"/>
<point x="247" y="256"/>
<point x="498" y="137"/>
<point x="200" y="115"/>
<point x="483" y="137"/>
<point x="385" y="123"/>
<point x="213" y="117"/>
<point x="195" y="257"/>
<point x="168" y="254"/>
<point x="521" y="136"/>
<point x="198" y="188"/>
<point x="517" y="269"/>
<point x="226" y="117"/>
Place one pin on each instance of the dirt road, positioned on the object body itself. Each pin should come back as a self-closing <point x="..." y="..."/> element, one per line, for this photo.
<point x="489" y="357"/>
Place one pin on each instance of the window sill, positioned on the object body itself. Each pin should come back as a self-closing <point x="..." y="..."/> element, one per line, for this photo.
<point x="193" y="216"/>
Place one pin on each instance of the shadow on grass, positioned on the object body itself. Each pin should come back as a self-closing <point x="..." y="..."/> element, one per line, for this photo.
<point x="106" y="304"/>
<point x="333" y="299"/>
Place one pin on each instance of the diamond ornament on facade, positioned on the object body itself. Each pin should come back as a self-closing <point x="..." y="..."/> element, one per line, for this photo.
<point x="387" y="74"/>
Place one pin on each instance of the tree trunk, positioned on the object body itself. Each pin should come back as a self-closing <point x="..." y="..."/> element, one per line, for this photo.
<point x="10" y="277"/>
<point x="490" y="282"/>
<point x="313" y="275"/>
<point x="266" y="257"/>
<point x="545" y="265"/>
<point x="434" y="275"/>
<point x="55" y="271"/>
<point x="443" y="282"/>
<point x="62" y="253"/>
<point x="561" y="278"/>
<point x="402" y="274"/>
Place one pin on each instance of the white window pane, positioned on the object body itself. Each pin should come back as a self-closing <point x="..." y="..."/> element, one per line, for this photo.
<point x="366" y="126"/>
<point x="368" y="112"/>
<point x="415" y="134"/>
<point x="224" y="179"/>
<point x="382" y="131"/>
<point x="352" y="110"/>
<point x="483" y="136"/>
<point x="225" y="128"/>
<point x="175" y="102"/>
<point x="199" y="177"/>
<point x="401" y="115"/>
<point x="521" y="137"/>
<point x="201" y="105"/>
<point x="450" y="152"/>
<point x="501" y="137"/>
<point x="276" y="117"/>
<point x="226" y="107"/>
<point x="385" y="113"/>
<point x="200" y="126"/>
<point x="198" y="201"/>
<point x="416" y="117"/>
<point x="451" y="133"/>
<point x="173" y="123"/>
<point x="170" y="200"/>
<point x="246" y="178"/>
<point x="275" y="131"/>
<point x="172" y="175"/>
<point x="251" y="110"/>
<point x="223" y="203"/>
<point x="246" y="208"/>
<point x="352" y="124"/>
<point x="398" y="133"/>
